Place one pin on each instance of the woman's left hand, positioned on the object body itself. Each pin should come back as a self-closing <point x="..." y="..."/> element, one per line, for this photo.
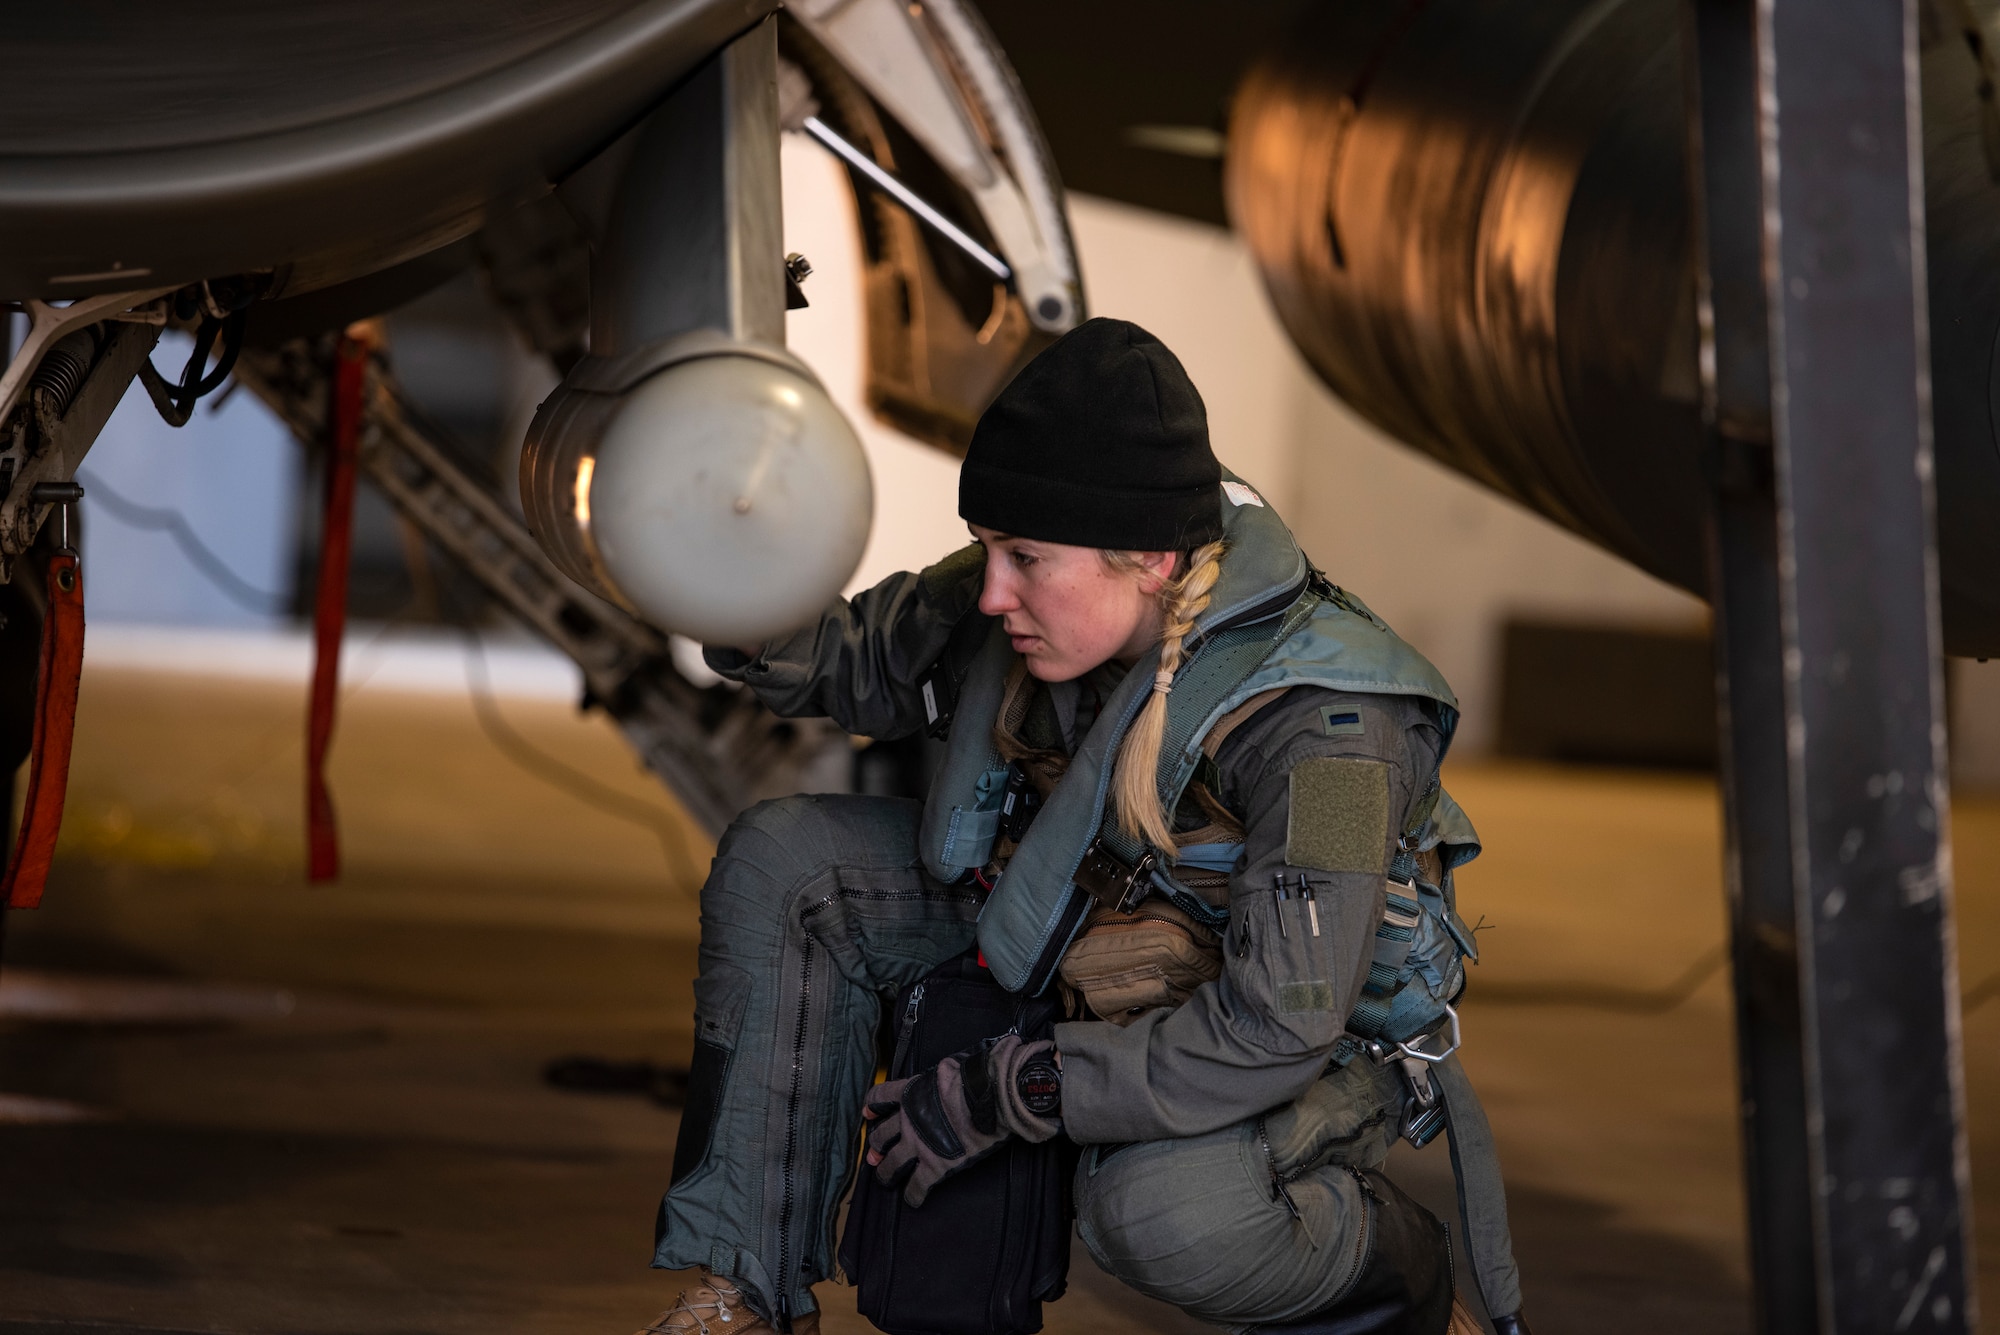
<point x="926" y="1127"/>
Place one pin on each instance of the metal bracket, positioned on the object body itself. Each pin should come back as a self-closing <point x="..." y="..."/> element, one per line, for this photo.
<point x="940" y="74"/>
<point x="49" y="323"/>
<point x="1387" y="1052"/>
<point x="925" y="212"/>
<point x="1113" y="882"/>
<point x="45" y="452"/>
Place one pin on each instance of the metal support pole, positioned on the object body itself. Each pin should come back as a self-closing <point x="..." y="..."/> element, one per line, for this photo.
<point x="1743" y="566"/>
<point x="1816" y="376"/>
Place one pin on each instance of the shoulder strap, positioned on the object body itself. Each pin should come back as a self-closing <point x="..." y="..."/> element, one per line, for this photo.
<point x="1482" y="1197"/>
<point x="1403" y="866"/>
<point x="1211" y="745"/>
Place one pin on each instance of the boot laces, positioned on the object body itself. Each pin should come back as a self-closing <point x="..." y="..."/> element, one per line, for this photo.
<point x="727" y="1300"/>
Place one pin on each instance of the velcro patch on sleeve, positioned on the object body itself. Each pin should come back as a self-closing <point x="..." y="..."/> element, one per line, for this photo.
<point x="1295" y="998"/>
<point x="1340" y="815"/>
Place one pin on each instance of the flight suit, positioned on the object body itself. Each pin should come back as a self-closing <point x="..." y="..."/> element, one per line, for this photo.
<point x="1225" y="1155"/>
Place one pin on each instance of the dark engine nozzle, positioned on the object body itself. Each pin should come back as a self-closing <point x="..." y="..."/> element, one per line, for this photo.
<point x="1473" y="220"/>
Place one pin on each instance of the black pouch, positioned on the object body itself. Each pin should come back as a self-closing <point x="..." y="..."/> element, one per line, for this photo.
<point x="991" y="1243"/>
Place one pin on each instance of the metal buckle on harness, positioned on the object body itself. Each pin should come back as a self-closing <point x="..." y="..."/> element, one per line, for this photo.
<point x="1112" y="881"/>
<point x="1018" y="804"/>
<point x="1424" y="1122"/>
<point x="1422" y="1126"/>
<point x="1408" y="1053"/>
<point x="1384" y="1052"/>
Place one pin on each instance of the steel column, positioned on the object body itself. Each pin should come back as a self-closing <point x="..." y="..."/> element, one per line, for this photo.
<point x="1816" y="376"/>
<point x="1743" y="567"/>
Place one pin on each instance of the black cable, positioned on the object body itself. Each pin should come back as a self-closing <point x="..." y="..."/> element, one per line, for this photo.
<point x="232" y="347"/>
<point x="175" y="401"/>
<point x="518" y="749"/>
<point x="174" y="524"/>
<point x="499" y="732"/>
<point x="557" y="774"/>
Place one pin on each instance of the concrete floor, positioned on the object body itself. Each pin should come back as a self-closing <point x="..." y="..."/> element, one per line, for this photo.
<point x="230" y="1102"/>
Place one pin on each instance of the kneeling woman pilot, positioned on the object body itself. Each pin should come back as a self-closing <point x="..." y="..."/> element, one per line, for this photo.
<point x="1140" y="637"/>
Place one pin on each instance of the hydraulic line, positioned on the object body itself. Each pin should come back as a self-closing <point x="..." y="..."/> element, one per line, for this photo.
<point x="908" y="198"/>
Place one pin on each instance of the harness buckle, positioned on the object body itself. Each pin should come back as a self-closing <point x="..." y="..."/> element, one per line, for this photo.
<point x="1409" y="1054"/>
<point x="1421" y="1126"/>
<point x="1426" y="1114"/>
<point x="1018" y="804"/>
<point x="1418" y="1077"/>
<point x="1383" y="1052"/>
<point x="1113" y="882"/>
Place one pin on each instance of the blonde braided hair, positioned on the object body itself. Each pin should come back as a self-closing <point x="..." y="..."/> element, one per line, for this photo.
<point x="1182" y="599"/>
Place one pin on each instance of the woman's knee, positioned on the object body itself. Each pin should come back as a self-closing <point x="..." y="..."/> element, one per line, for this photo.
<point x="770" y="830"/>
<point x="1199" y="1224"/>
<point x="1170" y="1218"/>
<point x="774" y="846"/>
<point x="783" y="849"/>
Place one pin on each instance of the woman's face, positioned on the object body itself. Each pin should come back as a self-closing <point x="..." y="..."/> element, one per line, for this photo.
<point x="1066" y="608"/>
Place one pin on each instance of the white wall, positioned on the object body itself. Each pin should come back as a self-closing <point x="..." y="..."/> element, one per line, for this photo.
<point x="1975" y="722"/>
<point x="916" y="486"/>
<point x="230" y="474"/>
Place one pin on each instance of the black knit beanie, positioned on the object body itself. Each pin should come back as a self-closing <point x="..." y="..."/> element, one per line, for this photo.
<point x="1100" y="441"/>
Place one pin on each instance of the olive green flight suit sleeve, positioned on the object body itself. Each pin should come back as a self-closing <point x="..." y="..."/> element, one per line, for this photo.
<point x="1324" y="781"/>
<point x="859" y="663"/>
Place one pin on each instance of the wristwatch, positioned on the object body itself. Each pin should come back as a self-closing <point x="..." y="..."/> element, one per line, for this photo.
<point x="1038" y="1084"/>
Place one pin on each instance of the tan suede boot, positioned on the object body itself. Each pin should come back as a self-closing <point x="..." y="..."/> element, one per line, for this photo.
<point x="717" y="1307"/>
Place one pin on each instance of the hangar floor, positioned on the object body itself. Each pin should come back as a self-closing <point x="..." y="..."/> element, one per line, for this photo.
<point x="235" y="1103"/>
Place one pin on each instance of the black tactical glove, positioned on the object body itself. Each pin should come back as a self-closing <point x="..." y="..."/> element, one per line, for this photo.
<point x="926" y="1127"/>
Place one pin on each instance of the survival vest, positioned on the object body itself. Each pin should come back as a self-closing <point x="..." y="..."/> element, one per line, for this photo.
<point x="1272" y="622"/>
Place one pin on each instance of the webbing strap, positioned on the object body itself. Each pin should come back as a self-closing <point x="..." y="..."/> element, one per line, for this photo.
<point x="1184" y="899"/>
<point x="55" y="725"/>
<point x="1482" y="1196"/>
<point x="344" y="418"/>
<point x="1403" y="866"/>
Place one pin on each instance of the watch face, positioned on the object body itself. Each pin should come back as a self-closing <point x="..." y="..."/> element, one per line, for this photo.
<point x="1040" y="1086"/>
